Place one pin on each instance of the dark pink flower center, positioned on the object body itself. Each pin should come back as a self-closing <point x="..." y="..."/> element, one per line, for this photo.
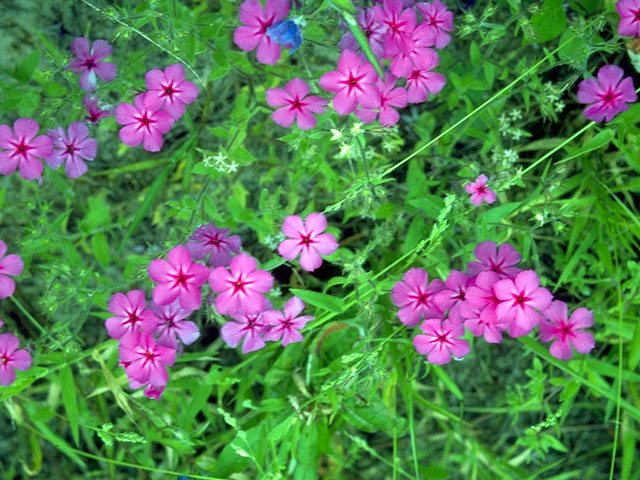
<point x="460" y="295"/>
<point x="610" y="97"/>
<point x="149" y="356"/>
<point x="433" y="20"/>
<point x="636" y="16"/>
<point x="521" y="299"/>
<point x="182" y="278"/>
<point x="4" y="358"/>
<point x="94" y="116"/>
<point x="296" y="104"/>
<point x="306" y="240"/>
<point x="266" y="24"/>
<point x="287" y="323"/>
<point x="169" y="90"/>
<point x="145" y="121"/>
<point x="89" y="64"/>
<point x="70" y="148"/>
<point x="22" y="149"/>
<point x="353" y="82"/>
<point x="212" y="240"/>
<point x="238" y="285"/>
<point x="481" y="189"/>
<point x="132" y="318"/>
<point x="415" y="75"/>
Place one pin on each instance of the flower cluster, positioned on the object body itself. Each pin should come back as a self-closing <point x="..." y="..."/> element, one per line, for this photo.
<point x="491" y="297"/>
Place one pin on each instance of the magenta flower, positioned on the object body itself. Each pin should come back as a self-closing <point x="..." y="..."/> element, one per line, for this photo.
<point x="131" y="315"/>
<point x="353" y="83"/>
<point x="403" y="63"/>
<point x="500" y="261"/>
<point x="400" y="24"/>
<point x="216" y="242"/>
<point x="416" y="297"/>
<point x="178" y="278"/>
<point x="247" y="326"/>
<point x="629" y="11"/>
<point x="172" y="325"/>
<point x="438" y="19"/>
<point x="144" y="360"/>
<point x="567" y="333"/>
<point x="169" y="91"/>
<point x="153" y="392"/>
<point x="422" y="81"/>
<point x="22" y="149"/>
<point x="296" y="104"/>
<point x="388" y="97"/>
<point x="373" y="30"/>
<point x="453" y="295"/>
<point x="242" y="287"/>
<point x="521" y="301"/>
<point x="11" y="358"/>
<point x="479" y="191"/>
<point x="254" y="31"/>
<point x="441" y="340"/>
<point x="307" y="240"/>
<point x="89" y="62"/>
<point x="72" y="149"/>
<point x="482" y="294"/>
<point x="483" y="322"/>
<point x="609" y="94"/>
<point x="287" y="325"/>
<point x="94" y="111"/>
<point x="9" y="265"/>
<point x="143" y="123"/>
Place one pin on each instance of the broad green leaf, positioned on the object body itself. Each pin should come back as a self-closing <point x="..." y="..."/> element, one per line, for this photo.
<point x="550" y="21"/>
<point x="320" y="300"/>
<point x="100" y="247"/>
<point x="307" y="454"/>
<point x="28" y="66"/>
<point x="70" y="400"/>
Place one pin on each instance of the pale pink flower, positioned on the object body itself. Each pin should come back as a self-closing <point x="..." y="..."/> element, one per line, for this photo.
<point x="500" y="261"/>
<point x="609" y="94"/>
<point x="400" y="24"/>
<point x="373" y="30"/>
<point x="178" y="278"/>
<point x="297" y="105"/>
<point x="172" y="325"/>
<point x="241" y="287"/>
<point x="567" y="333"/>
<point x="287" y="325"/>
<point x="94" y="111"/>
<point x="72" y="149"/>
<point x="254" y="31"/>
<point x="629" y="11"/>
<point x="416" y="297"/>
<point x="131" y="315"/>
<point x="10" y="265"/>
<point x="521" y="301"/>
<point x="483" y="322"/>
<point x="144" y="360"/>
<point x="216" y="242"/>
<point x="438" y="19"/>
<point x="247" y="326"/>
<point x="479" y="191"/>
<point x="307" y="240"/>
<point x="441" y="341"/>
<point x="90" y="62"/>
<point x="169" y="91"/>
<point x="22" y="149"/>
<point x="453" y="295"/>
<point x="11" y="358"/>
<point x="421" y="81"/>
<point x="143" y="123"/>
<point x="388" y="97"/>
<point x="403" y="63"/>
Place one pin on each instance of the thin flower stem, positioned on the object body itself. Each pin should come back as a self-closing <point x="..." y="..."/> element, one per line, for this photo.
<point x="27" y="314"/>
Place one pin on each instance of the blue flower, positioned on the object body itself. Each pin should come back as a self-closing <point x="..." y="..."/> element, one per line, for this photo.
<point x="286" y="33"/>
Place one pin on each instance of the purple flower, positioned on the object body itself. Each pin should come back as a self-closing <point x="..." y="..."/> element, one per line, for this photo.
<point x="416" y="297"/>
<point x="609" y="94"/>
<point x="500" y="261"/>
<point x="297" y="104"/>
<point x="373" y="30"/>
<point x="629" y="11"/>
<point x="441" y="340"/>
<point x="247" y="326"/>
<point x="22" y="149"/>
<point x="89" y="62"/>
<point x="209" y="239"/>
<point x="479" y="191"/>
<point x="388" y="97"/>
<point x="144" y="360"/>
<point x="169" y="91"/>
<point x="11" y="358"/>
<point x="400" y="24"/>
<point x="287" y="325"/>
<point x="72" y="149"/>
<point x="307" y="240"/>
<point x="567" y="333"/>
<point x="131" y="315"/>
<point x="453" y="295"/>
<point x="422" y="81"/>
<point x="95" y="112"/>
<point x="254" y="31"/>
<point x="438" y="19"/>
<point x="9" y="265"/>
<point x="143" y="123"/>
<point x="172" y="325"/>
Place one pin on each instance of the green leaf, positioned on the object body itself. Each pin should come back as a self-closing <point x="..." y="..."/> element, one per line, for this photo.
<point x="28" y="66"/>
<point x="550" y="21"/>
<point x="100" y="247"/>
<point x="307" y="453"/>
<point x="70" y="400"/>
<point x="496" y="214"/>
<point x="634" y="352"/>
<point x="320" y="300"/>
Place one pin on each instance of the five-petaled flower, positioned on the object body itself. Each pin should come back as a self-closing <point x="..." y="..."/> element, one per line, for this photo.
<point x="131" y="315"/>
<point x="566" y="333"/>
<point x="441" y="340"/>
<point x="254" y="31"/>
<point x="453" y="295"/>
<point x="11" y="358"/>
<point x="144" y="360"/>
<point x="72" y="149"/>
<point x="480" y="191"/>
<point x="629" y="11"/>
<point x="400" y="24"/>
<point x="9" y="265"/>
<point x="389" y="96"/>
<point x="499" y="260"/>
<point x="421" y="81"/>
<point x="438" y="19"/>
<point x="172" y="325"/>
<point x="209" y="239"/>
<point x="22" y="148"/>
<point x="247" y="326"/>
<point x="90" y="62"/>
<point x="296" y="104"/>
<point x="286" y="325"/>
<point x="608" y="95"/>
<point x="416" y="297"/>
<point x="94" y="111"/>
<point x="307" y="240"/>
<point x="143" y="123"/>
<point x="169" y="91"/>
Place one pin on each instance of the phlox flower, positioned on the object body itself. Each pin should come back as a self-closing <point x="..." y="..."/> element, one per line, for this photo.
<point x="287" y="325"/>
<point x="388" y="97"/>
<point x="297" y="104"/>
<point x="178" y="278"/>
<point x="566" y="333"/>
<point x="254" y="31"/>
<point x="482" y="295"/>
<point x="172" y="325"/>
<point x="216" y="242"/>
<point x="403" y="63"/>
<point x="438" y="19"/>
<point x="143" y="123"/>
<point x="11" y="358"/>
<point x="416" y="297"/>
<point x="353" y="83"/>
<point x="373" y="30"/>
<point x="500" y="261"/>
<point x="629" y="11"/>
<point x="453" y="295"/>
<point x="144" y="360"/>
<point x="153" y="392"/>
<point x="421" y="81"/>
<point x="22" y="149"/>
<point x="483" y="322"/>
<point x="72" y="149"/>
<point x="307" y="240"/>
<point x="169" y="91"/>
<point x="521" y="301"/>
<point x="94" y="111"/>
<point x="241" y="287"/>
<point x="286" y="33"/>
<point x="400" y="24"/>
<point x="608" y="95"/>
<point x="441" y="340"/>
<point x="479" y="191"/>
<point x="10" y="265"/>
<point x="131" y="315"/>
<point x="247" y="326"/>
<point x="90" y="62"/>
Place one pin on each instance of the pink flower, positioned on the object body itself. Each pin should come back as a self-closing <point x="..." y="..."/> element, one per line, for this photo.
<point x="609" y="94"/>
<point x="209" y="239"/>
<point x="95" y="112"/>
<point x="400" y="23"/>
<point x="438" y="19"/>
<point x="143" y="123"/>
<point x="131" y="315"/>
<point x="248" y="326"/>
<point x="422" y="81"/>
<point x="307" y="240"/>
<point x="482" y="295"/>
<point x="89" y="62"/>
<point x="500" y="261"/>
<point x="145" y="360"/>
<point x="403" y="63"/>
<point x="353" y="83"/>
<point x="567" y="333"/>
<point x="296" y="104"/>
<point x="455" y="288"/>
<point x="169" y="91"/>
<point x="416" y="296"/>
<point x="479" y="191"/>
<point x="10" y="358"/>
<point x="629" y="11"/>
<point x="483" y="322"/>
<point x="23" y="149"/>
<point x="242" y="287"/>
<point x="9" y="265"/>
<point x="172" y="325"/>
<point x="287" y="325"/>
<point x="441" y="340"/>
<point x="373" y="30"/>
<point x="178" y="278"/>
<point x="254" y="31"/>
<point x="521" y="301"/>
<point x="153" y="392"/>
<point x="72" y="149"/>
<point x="388" y="97"/>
